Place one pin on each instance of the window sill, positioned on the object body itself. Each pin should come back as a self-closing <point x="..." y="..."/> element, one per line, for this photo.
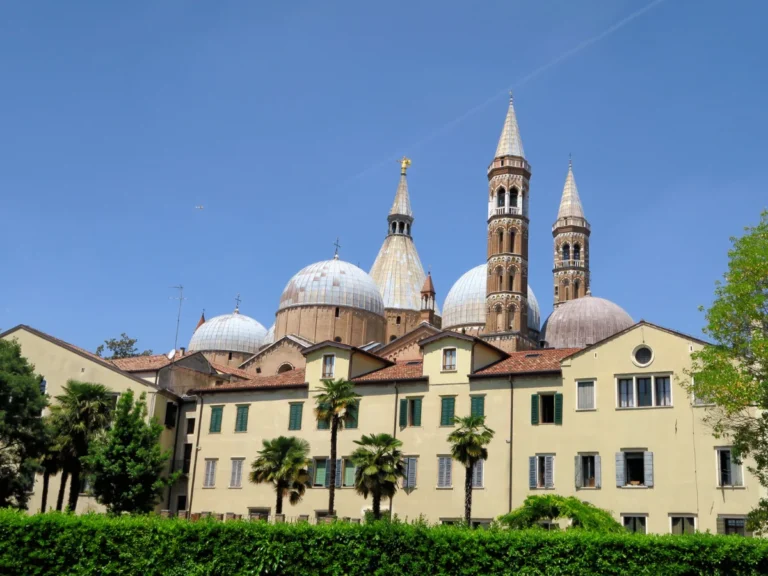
<point x="630" y="487"/>
<point x="443" y="371"/>
<point x="623" y="408"/>
<point x="445" y="487"/>
<point x="588" y="488"/>
<point x="241" y="431"/>
<point x="586" y="409"/>
<point x="731" y="487"/>
<point x="209" y="487"/>
<point x="212" y="432"/>
<point x="542" y="488"/>
<point x="235" y="487"/>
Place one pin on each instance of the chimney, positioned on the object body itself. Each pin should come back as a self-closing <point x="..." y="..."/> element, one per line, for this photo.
<point x="183" y="351"/>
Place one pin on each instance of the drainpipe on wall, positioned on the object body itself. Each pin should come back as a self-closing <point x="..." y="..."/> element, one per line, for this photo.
<point x="175" y="444"/>
<point x="394" y="435"/>
<point x="197" y="449"/>
<point x="511" y="427"/>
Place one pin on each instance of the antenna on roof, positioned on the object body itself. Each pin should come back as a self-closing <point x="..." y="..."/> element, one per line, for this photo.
<point x="172" y="354"/>
<point x="181" y="299"/>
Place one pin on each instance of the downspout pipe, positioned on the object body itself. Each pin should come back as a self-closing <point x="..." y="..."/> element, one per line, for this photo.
<point x="511" y="437"/>
<point x="197" y="450"/>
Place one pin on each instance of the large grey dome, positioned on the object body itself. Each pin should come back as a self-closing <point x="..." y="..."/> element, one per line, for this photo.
<point x="333" y="283"/>
<point x="584" y="321"/>
<point x="464" y="305"/>
<point x="229" y="333"/>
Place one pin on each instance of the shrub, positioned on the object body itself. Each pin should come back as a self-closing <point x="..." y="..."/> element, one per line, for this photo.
<point x="583" y="515"/>
<point x="55" y="543"/>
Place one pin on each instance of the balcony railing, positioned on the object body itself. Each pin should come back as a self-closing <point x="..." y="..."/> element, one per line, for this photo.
<point x="506" y="210"/>
<point x="569" y="264"/>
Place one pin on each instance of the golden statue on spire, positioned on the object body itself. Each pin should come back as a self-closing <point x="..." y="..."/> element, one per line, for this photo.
<point x="404" y="163"/>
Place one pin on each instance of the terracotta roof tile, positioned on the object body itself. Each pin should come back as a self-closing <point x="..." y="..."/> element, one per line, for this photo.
<point x="290" y="379"/>
<point x="224" y="369"/>
<point x="142" y="363"/>
<point x="406" y="370"/>
<point x="527" y="362"/>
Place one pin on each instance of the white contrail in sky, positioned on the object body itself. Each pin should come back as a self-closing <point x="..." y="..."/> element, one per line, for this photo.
<point x="523" y="81"/>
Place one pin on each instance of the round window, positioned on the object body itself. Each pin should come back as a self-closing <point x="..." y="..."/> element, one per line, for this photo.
<point x="643" y="355"/>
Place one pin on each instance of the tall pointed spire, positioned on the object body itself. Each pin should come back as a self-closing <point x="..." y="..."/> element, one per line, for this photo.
<point x="570" y="203"/>
<point x="402" y="204"/>
<point x="510" y="143"/>
<point x="201" y="321"/>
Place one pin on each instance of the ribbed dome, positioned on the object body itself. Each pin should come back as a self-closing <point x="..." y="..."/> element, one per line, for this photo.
<point x="229" y="333"/>
<point x="465" y="303"/>
<point x="584" y="321"/>
<point x="333" y="283"/>
<point x="270" y="337"/>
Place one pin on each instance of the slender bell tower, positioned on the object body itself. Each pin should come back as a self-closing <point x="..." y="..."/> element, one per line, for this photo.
<point x="571" y="233"/>
<point x="506" y="299"/>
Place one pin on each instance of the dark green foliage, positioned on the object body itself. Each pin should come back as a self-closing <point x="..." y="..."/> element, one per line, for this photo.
<point x="284" y="463"/>
<point x="379" y="466"/>
<point x="54" y="544"/>
<point x="22" y="434"/>
<point x="123" y="347"/>
<point x="584" y="516"/>
<point x="126" y="465"/>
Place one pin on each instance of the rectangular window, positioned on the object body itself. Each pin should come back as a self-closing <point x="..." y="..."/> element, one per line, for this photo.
<point x="329" y="361"/>
<point x="735" y="526"/>
<point x="626" y="393"/>
<point x="634" y="469"/>
<point x="444" y="472"/>
<point x="683" y="525"/>
<point x="644" y="397"/>
<point x="190" y="425"/>
<point x="547" y="408"/>
<point x="663" y="391"/>
<point x="585" y="395"/>
<point x="478" y="474"/>
<point x="411" y="464"/>
<point x="181" y="502"/>
<point x="321" y="469"/>
<point x="587" y="468"/>
<point x="449" y="359"/>
<point x="241" y="421"/>
<point x="350" y="421"/>
<point x="171" y="410"/>
<point x="477" y="406"/>
<point x="447" y="410"/>
<point x="43" y="387"/>
<point x="216" y="415"/>
<point x="349" y="473"/>
<point x="541" y="471"/>
<point x="236" y="478"/>
<point x="410" y="412"/>
<point x="186" y="463"/>
<point x="210" y="473"/>
<point x="635" y="524"/>
<point x="729" y="472"/>
<point x="294" y="419"/>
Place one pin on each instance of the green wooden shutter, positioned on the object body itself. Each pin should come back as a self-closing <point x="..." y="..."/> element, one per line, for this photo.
<point x="558" y="408"/>
<point x="417" y="411"/>
<point x="349" y="473"/>
<point x="216" y="413"/>
<point x="534" y="408"/>
<point x="241" y="421"/>
<point x="403" y="412"/>
<point x="447" y="411"/>
<point x="294" y="421"/>
<point x="352" y="412"/>
<point x="478" y="406"/>
<point x="323" y="424"/>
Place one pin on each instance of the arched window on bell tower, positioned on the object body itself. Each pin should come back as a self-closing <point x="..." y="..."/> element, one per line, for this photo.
<point x="566" y="252"/>
<point x="501" y="198"/>
<point x="501" y="241"/>
<point x="511" y="318"/>
<point x="513" y="195"/>
<point x="511" y="279"/>
<point x="576" y="252"/>
<point x="512" y="241"/>
<point x="500" y="283"/>
<point x="576" y="287"/>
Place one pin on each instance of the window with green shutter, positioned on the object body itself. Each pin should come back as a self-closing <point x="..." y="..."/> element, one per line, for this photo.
<point x="478" y="406"/>
<point x="216" y="413"/>
<point x="403" y="412"/>
<point x="447" y="410"/>
<point x="534" y="408"/>
<point x="349" y="473"/>
<point x="352" y="414"/>
<point x="558" y="408"/>
<point x="321" y="468"/>
<point x="294" y="420"/>
<point x="416" y="412"/>
<point x="323" y="424"/>
<point x="241" y="420"/>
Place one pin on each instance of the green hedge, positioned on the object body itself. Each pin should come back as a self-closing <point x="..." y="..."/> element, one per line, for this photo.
<point x="79" y="545"/>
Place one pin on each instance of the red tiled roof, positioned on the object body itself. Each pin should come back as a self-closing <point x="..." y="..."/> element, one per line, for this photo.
<point x="405" y="370"/>
<point x="224" y="369"/>
<point x="143" y="363"/>
<point x="290" y="379"/>
<point x="527" y="362"/>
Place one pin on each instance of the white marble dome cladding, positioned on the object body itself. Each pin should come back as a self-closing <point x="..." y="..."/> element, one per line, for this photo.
<point x="270" y="337"/>
<point x="465" y="303"/>
<point x="584" y="321"/>
<point x="229" y="333"/>
<point x="332" y="283"/>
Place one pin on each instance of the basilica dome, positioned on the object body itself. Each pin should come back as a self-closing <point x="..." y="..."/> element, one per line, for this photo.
<point x="332" y="283"/>
<point x="465" y="304"/>
<point x="584" y="321"/>
<point x="270" y="337"/>
<point x="228" y="333"/>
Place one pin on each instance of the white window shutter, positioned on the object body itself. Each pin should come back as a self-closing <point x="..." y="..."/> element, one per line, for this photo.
<point x="598" y="472"/>
<point x="532" y="472"/>
<point x="477" y="474"/>
<point x="621" y="476"/>
<point x="578" y="472"/>
<point x="648" y="468"/>
<point x="736" y="475"/>
<point x="549" y="471"/>
<point x="338" y="473"/>
<point x="441" y="472"/>
<point x="448" y="472"/>
<point x="411" y="474"/>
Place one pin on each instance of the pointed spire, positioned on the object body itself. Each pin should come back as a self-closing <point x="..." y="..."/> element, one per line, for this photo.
<point x="402" y="204"/>
<point x="510" y="143"/>
<point x="570" y="203"/>
<point x="429" y="287"/>
<point x="201" y="321"/>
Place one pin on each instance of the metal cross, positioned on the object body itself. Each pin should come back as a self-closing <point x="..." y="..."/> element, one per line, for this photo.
<point x="237" y="301"/>
<point x="336" y="253"/>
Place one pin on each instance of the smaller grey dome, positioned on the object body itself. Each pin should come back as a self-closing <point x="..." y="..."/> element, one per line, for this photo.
<point x="270" y="337"/>
<point x="584" y="321"/>
<point x="228" y="333"/>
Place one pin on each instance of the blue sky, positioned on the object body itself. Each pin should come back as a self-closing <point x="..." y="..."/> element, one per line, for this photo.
<point x="284" y="120"/>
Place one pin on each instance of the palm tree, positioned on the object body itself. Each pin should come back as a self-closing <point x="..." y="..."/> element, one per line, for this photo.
<point x="283" y="462"/>
<point x="83" y="411"/>
<point x="379" y="464"/>
<point x="335" y="402"/>
<point x="468" y="446"/>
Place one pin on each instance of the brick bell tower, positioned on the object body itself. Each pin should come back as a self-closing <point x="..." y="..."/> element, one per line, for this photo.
<point x="571" y="233"/>
<point x="506" y="301"/>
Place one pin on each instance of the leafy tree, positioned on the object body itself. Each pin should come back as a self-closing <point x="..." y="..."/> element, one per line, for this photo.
<point x="733" y="372"/>
<point x="21" y="427"/>
<point x="123" y="347"/>
<point x="80" y="414"/>
<point x="379" y="464"/>
<point x="126" y="464"/>
<point x="583" y="515"/>
<point x="337" y="400"/>
<point x="283" y="462"/>
<point x="468" y="446"/>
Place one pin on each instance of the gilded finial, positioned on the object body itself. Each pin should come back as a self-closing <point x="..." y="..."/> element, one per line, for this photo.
<point x="404" y="163"/>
